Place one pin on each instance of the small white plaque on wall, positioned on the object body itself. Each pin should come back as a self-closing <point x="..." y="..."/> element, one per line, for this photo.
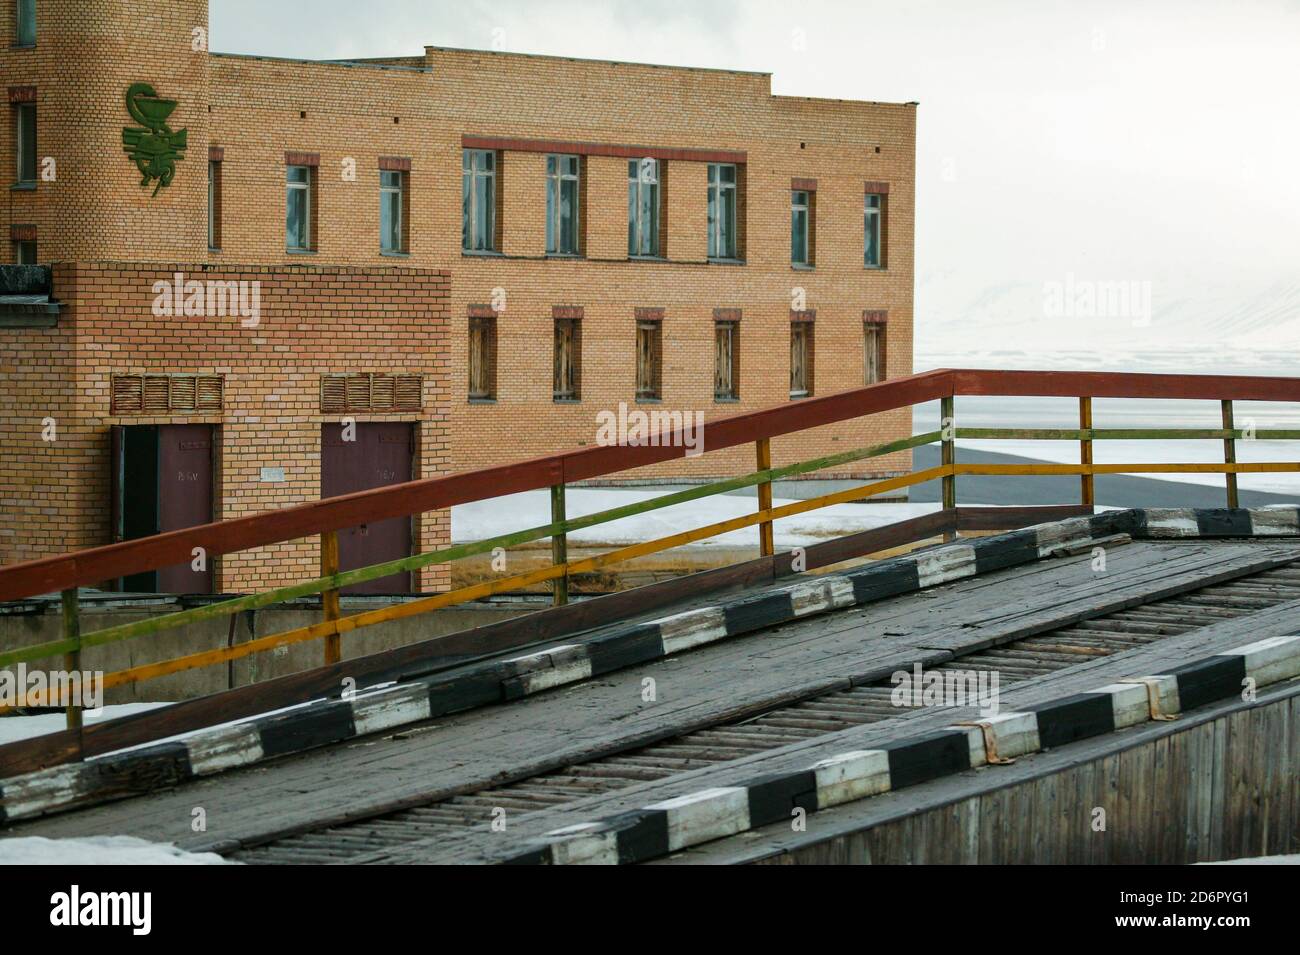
<point x="273" y="475"/>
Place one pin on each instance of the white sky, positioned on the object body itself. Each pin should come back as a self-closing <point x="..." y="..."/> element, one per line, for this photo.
<point x="1153" y="141"/>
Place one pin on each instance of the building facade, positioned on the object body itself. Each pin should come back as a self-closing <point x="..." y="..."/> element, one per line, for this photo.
<point x="489" y="248"/>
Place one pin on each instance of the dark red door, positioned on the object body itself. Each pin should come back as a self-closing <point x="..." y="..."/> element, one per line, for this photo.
<point x="184" y="498"/>
<point x="379" y="455"/>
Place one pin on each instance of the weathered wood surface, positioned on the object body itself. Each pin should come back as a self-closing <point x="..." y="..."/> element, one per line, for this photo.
<point x="1027" y="831"/>
<point x="447" y="651"/>
<point x="1220" y="783"/>
<point x="513" y="741"/>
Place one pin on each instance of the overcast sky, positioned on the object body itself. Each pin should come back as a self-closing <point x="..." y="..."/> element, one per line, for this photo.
<point x="1150" y="142"/>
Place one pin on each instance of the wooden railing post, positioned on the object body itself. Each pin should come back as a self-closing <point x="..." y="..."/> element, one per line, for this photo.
<point x="559" y="547"/>
<point x="72" y="658"/>
<point x="329" y="599"/>
<point x="1230" y="452"/>
<point x="948" y="433"/>
<point x="1087" y="485"/>
<point x="766" y="538"/>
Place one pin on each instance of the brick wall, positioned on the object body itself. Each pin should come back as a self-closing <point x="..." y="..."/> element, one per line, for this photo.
<point x="421" y="108"/>
<point x="313" y="321"/>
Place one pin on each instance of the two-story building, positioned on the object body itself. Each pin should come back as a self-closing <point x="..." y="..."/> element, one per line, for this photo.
<point x="463" y="257"/>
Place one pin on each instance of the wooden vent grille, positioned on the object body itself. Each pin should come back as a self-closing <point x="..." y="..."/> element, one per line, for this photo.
<point x="166" y="394"/>
<point x="370" y="391"/>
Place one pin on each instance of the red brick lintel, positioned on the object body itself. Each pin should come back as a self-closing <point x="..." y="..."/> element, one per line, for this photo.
<point x="566" y="311"/>
<point x="22" y="94"/>
<point x="601" y="149"/>
<point x="876" y="188"/>
<point x="803" y="315"/>
<point x="216" y="154"/>
<point x="726" y="314"/>
<point x="875" y="316"/>
<point x="482" y="311"/>
<point x="395" y="163"/>
<point x="803" y="185"/>
<point x="22" y="233"/>
<point x="292" y="158"/>
<point x="649" y="314"/>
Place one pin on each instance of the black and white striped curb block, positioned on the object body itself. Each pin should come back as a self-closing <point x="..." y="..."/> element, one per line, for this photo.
<point x="694" y="818"/>
<point x="322" y="722"/>
<point x="1178" y="522"/>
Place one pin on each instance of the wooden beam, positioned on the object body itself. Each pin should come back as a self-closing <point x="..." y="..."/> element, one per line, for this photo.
<point x="766" y="540"/>
<point x="1087" y="492"/>
<point x="559" y="548"/>
<point x="948" y="452"/>
<point x="329" y="567"/>
<point x="72" y="659"/>
<point x="1229" y="453"/>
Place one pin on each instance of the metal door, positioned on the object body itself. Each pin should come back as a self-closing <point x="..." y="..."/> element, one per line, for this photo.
<point x="379" y="455"/>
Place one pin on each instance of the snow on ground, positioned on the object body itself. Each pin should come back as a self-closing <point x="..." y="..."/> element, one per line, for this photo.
<point x="99" y="850"/>
<point x="482" y="519"/>
<point x="13" y="728"/>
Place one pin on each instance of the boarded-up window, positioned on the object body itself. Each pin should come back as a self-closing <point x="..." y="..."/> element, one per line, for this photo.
<point x="726" y="360"/>
<point x="165" y="394"/>
<point x="874" y="351"/>
<point x="649" y="356"/>
<point x="801" y="359"/>
<point x="567" y="384"/>
<point x="482" y="358"/>
<point x="371" y="391"/>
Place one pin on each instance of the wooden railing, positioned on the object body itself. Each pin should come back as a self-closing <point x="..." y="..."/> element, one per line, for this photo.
<point x="325" y="518"/>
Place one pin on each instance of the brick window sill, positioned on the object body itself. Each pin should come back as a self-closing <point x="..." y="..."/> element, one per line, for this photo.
<point x="481" y="254"/>
<point x="648" y="401"/>
<point x="726" y="261"/>
<point x="394" y="255"/>
<point x="23" y="187"/>
<point x="299" y="251"/>
<point x="722" y="400"/>
<point x="799" y="267"/>
<point x="482" y="401"/>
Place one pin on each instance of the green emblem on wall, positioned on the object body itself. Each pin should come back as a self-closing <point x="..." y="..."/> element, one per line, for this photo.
<point x="154" y="149"/>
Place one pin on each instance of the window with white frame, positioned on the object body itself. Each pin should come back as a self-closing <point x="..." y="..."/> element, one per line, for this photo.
<point x="298" y="208"/>
<point x="643" y="207"/>
<point x="478" y="195"/>
<point x="392" y="188"/>
<point x="873" y="230"/>
<point x="214" y="204"/>
<point x="722" y="211"/>
<point x="25" y="253"/>
<point x="562" y="205"/>
<point x="799" y="225"/>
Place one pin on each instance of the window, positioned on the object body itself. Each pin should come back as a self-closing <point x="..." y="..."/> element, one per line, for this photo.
<point x="649" y="350"/>
<point x="25" y="134"/>
<point x="722" y="211"/>
<point x="799" y="227"/>
<point x="482" y="358"/>
<point x="874" y="351"/>
<point x="392" y="197"/>
<point x="801" y="359"/>
<point x="25" y="253"/>
<point x="873" y="222"/>
<point x="26" y="26"/>
<point x="643" y="177"/>
<point x="298" y="208"/>
<point x="562" y="205"/>
<point x="214" y="204"/>
<point x="726" y="361"/>
<point x="568" y="360"/>
<point x="478" y="197"/>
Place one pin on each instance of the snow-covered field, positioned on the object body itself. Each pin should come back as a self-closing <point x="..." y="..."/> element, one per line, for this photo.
<point x="999" y="412"/>
<point x="99" y="850"/>
<point x="13" y="728"/>
<point x="481" y="519"/>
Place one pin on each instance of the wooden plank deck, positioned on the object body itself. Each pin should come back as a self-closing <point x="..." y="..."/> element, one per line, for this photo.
<point x="719" y="682"/>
